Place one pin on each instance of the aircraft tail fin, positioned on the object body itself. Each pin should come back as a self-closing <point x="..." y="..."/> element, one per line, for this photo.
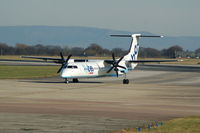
<point x="134" y="47"/>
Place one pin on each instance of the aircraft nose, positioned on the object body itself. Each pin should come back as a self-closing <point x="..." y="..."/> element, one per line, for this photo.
<point x="65" y="74"/>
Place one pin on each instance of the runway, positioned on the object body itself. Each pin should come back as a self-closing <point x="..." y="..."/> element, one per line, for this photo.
<point x="100" y="104"/>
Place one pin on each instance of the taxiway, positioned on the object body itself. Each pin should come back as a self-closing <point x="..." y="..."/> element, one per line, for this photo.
<point x="97" y="105"/>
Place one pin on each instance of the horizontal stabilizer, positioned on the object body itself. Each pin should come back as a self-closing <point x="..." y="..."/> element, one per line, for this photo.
<point x="137" y="35"/>
<point x="149" y="61"/>
<point x="121" y="35"/>
<point x="150" y="36"/>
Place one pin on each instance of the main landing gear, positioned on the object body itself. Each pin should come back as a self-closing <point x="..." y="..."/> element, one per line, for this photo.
<point x="66" y="81"/>
<point x="73" y="80"/>
<point x="125" y="80"/>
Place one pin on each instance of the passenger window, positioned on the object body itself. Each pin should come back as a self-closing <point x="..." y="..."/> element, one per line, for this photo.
<point x="73" y="67"/>
<point x="69" y="66"/>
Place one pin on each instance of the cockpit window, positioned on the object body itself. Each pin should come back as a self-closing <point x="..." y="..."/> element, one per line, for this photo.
<point x="73" y="67"/>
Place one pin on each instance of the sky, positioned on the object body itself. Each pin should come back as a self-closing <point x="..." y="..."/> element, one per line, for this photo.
<point x="166" y="17"/>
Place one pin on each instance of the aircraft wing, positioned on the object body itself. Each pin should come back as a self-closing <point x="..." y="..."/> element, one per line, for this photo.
<point x="61" y="60"/>
<point x="46" y="59"/>
<point x="40" y="59"/>
<point x="143" y="61"/>
<point x="151" y="61"/>
<point x="37" y="61"/>
<point x="108" y="61"/>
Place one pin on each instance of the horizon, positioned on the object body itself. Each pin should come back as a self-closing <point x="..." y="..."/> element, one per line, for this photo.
<point x="96" y="28"/>
<point x="83" y="36"/>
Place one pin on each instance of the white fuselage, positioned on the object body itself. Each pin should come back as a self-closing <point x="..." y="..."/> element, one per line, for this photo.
<point x="91" y="68"/>
<point x="99" y="68"/>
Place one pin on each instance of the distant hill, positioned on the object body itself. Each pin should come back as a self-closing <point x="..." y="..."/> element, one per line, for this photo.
<point x="84" y="36"/>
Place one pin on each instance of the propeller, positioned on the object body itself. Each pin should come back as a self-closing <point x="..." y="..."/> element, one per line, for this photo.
<point x="115" y="65"/>
<point x="63" y="61"/>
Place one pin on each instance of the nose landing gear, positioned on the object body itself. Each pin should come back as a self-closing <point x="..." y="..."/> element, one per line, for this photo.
<point x="73" y="80"/>
<point x="125" y="80"/>
<point x="66" y="81"/>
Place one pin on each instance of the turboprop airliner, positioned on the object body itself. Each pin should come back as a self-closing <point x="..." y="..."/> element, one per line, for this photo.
<point x="74" y="69"/>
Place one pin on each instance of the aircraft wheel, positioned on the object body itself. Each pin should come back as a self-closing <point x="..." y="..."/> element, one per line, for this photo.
<point x="75" y="80"/>
<point x="125" y="81"/>
<point x="66" y="81"/>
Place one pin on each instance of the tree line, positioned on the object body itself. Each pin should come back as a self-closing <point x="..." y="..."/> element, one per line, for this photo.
<point x="91" y="50"/>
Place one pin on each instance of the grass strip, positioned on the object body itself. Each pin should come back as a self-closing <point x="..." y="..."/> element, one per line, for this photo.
<point x="179" y="125"/>
<point x="21" y="72"/>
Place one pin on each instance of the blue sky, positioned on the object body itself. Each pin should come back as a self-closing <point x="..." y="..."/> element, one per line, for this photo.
<point x="166" y="17"/>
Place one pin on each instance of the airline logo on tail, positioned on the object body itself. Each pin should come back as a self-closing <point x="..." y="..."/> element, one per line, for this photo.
<point x="135" y="53"/>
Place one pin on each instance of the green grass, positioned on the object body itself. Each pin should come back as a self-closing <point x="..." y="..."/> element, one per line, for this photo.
<point x="179" y="125"/>
<point x="20" y="72"/>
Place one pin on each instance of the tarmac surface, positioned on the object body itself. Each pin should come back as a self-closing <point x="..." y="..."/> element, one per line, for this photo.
<point x="98" y="105"/>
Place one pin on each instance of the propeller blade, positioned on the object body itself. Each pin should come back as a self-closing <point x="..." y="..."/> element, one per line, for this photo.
<point x="113" y="56"/>
<point x="121" y="67"/>
<point x="115" y="65"/>
<point x="110" y="69"/>
<point x="60" y="69"/>
<point x="68" y="58"/>
<point x="120" y="59"/>
<point x="64" y="62"/>
<point x="117" y="74"/>
<point x="62" y="57"/>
